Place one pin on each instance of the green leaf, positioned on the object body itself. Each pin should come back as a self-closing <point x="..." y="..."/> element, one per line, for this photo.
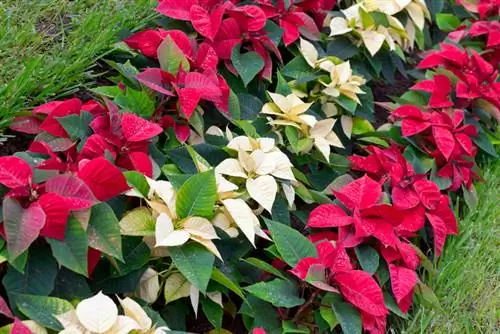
<point x="39" y="274"/>
<point x="195" y="262"/>
<point x="138" y="182"/>
<point x="136" y="254"/>
<point x="342" y="47"/>
<point x="447" y="22"/>
<point x="233" y="106"/>
<point x="420" y="162"/>
<point x="221" y="278"/>
<point x="274" y="32"/>
<point x="127" y="72"/>
<point x="391" y="305"/>
<point x="248" y="65"/>
<point x="171" y="57"/>
<point x="250" y="106"/>
<point x="104" y="231"/>
<point x="108" y="91"/>
<point x="264" y="266"/>
<point x="347" y="104"/>
<point x="42" y="309"/>
<point x="290" y="327"/>
<point x="212" y="311"/>
<point x="72" y="252"/>
<point x="282" y="86"/>
<point x="292" y="134"/>
<point x="368" y="258"/>
<point x="136" y="101"/>
<point x="291" y="244"/>
<point x="280" y="293"/>
<point x="297" y="68"/>
<point x="435" y="6"/>
<point x="70" y="285"/>
<point x="197" y="196"/>
<point x="138" y="222"/>
<point x="72" y="125"/>
<point x="427" y="296"/>
<point x="349" y="318"/>
<point x="327" y="312"/>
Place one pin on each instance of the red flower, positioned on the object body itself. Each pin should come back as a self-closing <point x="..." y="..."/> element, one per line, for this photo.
<point x="126" y="137"/>
<point x="447" y="134"/>
<point x="368" y="216"/>
<point x="489" y="28"/>
<point x="291" y="19"/>
<point x="477" y="77"/>
<point x="439" y="87"/>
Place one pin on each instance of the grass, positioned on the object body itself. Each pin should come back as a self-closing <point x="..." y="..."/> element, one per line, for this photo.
<point x="468" y="280"/>
<point x="48" y="47"/>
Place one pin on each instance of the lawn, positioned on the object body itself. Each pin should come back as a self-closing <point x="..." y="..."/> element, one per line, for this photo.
<point x="468" y="280"/>
<point x="48" y="47"/>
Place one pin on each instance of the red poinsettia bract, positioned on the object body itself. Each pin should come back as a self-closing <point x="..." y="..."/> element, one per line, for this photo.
<point x="337" y="274"/>
<point x="416" y="198"/>
<point x="476" y="77"/>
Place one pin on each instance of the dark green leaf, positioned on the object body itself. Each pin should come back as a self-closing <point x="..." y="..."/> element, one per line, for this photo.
<point x="248" y="65"/>
<point x="368" y="258"/>
<point x="42" y="309"/>
<point x="72" y="252"/>
<point x="212" y="311"/>
<point x="135" y="255"/>
<point x="39" y="274"/>
<point x="264" y="266"/>
<point x="104" y="231"/>
<point x="250" y="106"/>
<point x="341" y="47"/>
<point x="349" y="318"/>
<point x="291" y="244"/>
<point x="279" y="292"/>
<point x="195" y="262"/>
<point x="221" y="278"/>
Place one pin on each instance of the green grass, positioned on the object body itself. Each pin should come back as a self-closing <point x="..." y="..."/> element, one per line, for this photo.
<point x="468" y="280"/>
<point x="48" y="47"/>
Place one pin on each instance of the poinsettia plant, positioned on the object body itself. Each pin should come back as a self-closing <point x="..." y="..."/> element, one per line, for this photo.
<point x="231" y="178"/>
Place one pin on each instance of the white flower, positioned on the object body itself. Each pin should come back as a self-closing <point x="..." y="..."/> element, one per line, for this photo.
<point x="289" y="110"/>
<point x="372" y="35"/>
<point x="198" y="229"/>
<point x="417" y="9"/>
<point x="324" y="137"/>
<point x="259" y="168"/>
<point x="99" y="314"/>
<point x="344" y="82"/>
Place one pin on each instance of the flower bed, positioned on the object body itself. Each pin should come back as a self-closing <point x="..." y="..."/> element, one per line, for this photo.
<point x="232" y="180"/>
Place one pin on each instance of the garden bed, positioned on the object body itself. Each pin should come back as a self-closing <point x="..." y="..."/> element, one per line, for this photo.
<point x="266" y="167"/>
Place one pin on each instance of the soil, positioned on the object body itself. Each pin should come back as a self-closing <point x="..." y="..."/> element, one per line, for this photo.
<point x="16" y="142"/>
<point x="382" y="90"/>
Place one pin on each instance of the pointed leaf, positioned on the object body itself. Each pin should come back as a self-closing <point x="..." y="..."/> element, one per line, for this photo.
<point x="22" y="226"/>
<point x="195" y="262"/>
<point x="292" y="245"/>
<point x="42" y="309"/>
<point x="72" y="252"/>
<point x="197" y="196"/>
<point x="279" y="292"/>
<point x="248" y="65"/>
<point x="104" y="231"/>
